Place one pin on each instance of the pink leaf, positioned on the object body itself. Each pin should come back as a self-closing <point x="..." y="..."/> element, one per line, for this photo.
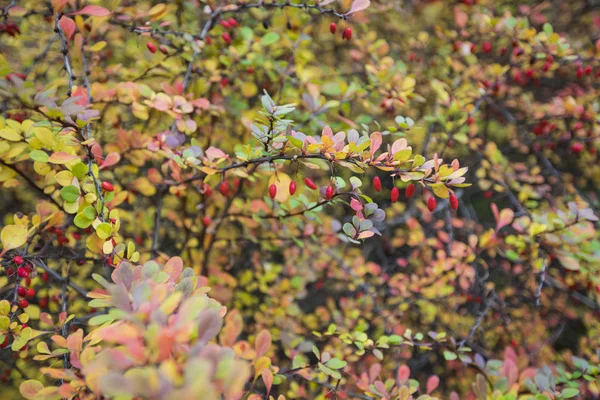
<point x="267" y="377"/>
<point x="356" y="205"/>
<point x="80" y="93"/>
<point x="403" y="373"/>
<point x="432" y="383"/>
<point x="376" y="140"/>
<point x="460" y="17"/>
<point x="327" y="132"/>
<point x="511" y="371"/>
<point x="358" y="5"/>
<point x="110" y="160"/>
<point x="93" y="11"/>
<point x="68" y="26"/>
<point x="173" y="267"/>
<point x="61" y="158"/>
<point x="263" y="342"/>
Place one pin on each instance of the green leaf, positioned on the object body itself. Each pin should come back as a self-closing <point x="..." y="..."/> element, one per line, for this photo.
<point x="82" y="221"/>
<point x="70" y="193"/>
<point x="89" y="212"/>
<point x="570" y="392"/>
<point x="104" y="230"/>
<point x="448" y="355"/>
<point x="269" y="39"/>
<point x="336" y="363"/>
<point x="39" y="155"/>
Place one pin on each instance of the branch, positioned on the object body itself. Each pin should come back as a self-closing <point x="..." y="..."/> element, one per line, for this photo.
<point x="479" y="320"/>
<point x="65" y="52"/>
<point x="31" y="183"/>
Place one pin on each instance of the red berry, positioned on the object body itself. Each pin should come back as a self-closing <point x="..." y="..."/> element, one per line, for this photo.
<point x="347" y="34"/>
<point x="486" y="47"/>
<point x="431" y="203"/>
<point x="45" y="277"/>
<point x="579" y="72"/>
<point x="107" y="187"/>
<point x="224" y="188"/>
<point x="226" y="37"/>
<point x="547" y="66"/>
<point x="292" y="188"/>
<point x="23" y="303"/>
<point x="206" y="221"/>
<point x="470" y="121"/>
<point x="395" y="194"/>
<point x="163" y="49"/>
<point x="329" y="192"/>
<point x="151" y="46"/>
<point x="18" y="260"/>
<point x="81" y="261"/>
<point x="232" y="22"/>
<point x="250" y="70"/>
<point x="44" y="302"/>
<point x="488" y="194"/>
<point x="577" y="148"/>
<point x="453" y="202"/>
<point x="310" y="183"/>
<point x="21" y="291"/>
<point x="377" y="184"/>
<point x="410" y="190"/>
<point x="22" y="272"/>
<point x="30" y="292"/>
<point x="225" y="24"/>
<point x="272" y="191"/>
<point x="333" y="28"/>
<point x="76" y="236"/>
<point x="206" y="189"/>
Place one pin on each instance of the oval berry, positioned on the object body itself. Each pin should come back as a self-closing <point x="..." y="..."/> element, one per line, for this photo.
<point x="224" y="188"/>
<point x="431" y="203"/>
<point x="377" y="184"/>
<point x="272" y="191"/>
<point x="329" y="192"/>
<point x="410" y="190"/>
<point x="395" y="194"/>
<point x="333" y="28"/>
<point x="453" y="202"/>
<point x="21" y="291"/>
<point x="292" y="188"/>
<point x="18" y="260"/>
<point x="310" y="183"/>
<point x="107" y="186"/>
<point x="151" y="46"/>
<point x="23" y="303"/>
<point x="206" y="221"/>
<point x="30" y="293"/>
<point x="347" y="34"/>
<point x="22" y="272"/>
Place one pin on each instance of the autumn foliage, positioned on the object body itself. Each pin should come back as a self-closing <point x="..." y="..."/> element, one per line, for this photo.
<point x="299" y="199"/>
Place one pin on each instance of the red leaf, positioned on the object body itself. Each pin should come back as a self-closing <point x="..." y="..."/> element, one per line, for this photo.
<point x="358" y="5"/>
<point x="68" y="26"/>
<point x="432" y="383"/>
<point x="110" y="160"/>
<point x="93" y="11"/>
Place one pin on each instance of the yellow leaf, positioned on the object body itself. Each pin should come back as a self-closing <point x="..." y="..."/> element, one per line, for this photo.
<point x="157" y="12"/>
<point x="144" y="186"/>
<point x="249" y="89"/>
<point x="64" y="178"/>
<point x="10" y="134"/>
<point x="98" y="46"/>
<point x="13" y="236"/>
<point x="441" y="191"/>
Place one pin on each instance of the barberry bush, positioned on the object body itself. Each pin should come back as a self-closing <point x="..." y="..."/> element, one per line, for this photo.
<point x="299" y="199"/>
